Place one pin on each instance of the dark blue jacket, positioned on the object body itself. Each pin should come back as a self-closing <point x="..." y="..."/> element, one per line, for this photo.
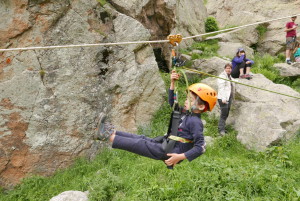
<point x="237" y="60"/>
<point x="190" y="127"/>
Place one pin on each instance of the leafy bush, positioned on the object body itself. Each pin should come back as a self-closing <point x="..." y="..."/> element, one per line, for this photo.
<point x="209" y="49"/>
<point x="211" y="25"/>
<point x="261" y="29"/>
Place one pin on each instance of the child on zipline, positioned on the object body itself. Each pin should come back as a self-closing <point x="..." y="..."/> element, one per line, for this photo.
<point x="189" y="143"/>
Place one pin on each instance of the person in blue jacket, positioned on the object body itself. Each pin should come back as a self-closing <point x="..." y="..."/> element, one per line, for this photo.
<point x="190" y="143"/>
<point x="241" y="65"/>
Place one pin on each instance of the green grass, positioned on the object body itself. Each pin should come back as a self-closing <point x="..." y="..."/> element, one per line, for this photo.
<point x="102" y="2"/>
<point x="227" y="171"/>
<point x="209" y="48"/>
<point x="264" y="64"/>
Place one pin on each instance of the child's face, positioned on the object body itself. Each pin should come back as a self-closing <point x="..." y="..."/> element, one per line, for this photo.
<point x="192" y="101"/>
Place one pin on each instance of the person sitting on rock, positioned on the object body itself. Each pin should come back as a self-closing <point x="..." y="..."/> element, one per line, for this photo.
<point x="241" y="65"/>
<point x="296" y="52"/>
<point x="190" y="142"/>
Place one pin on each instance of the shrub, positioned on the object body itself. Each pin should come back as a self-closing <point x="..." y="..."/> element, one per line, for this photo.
<point x="211" y="25"/>
<point x="261" y="29"/>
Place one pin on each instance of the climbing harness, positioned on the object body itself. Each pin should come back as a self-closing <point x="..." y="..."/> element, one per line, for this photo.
<point x="180" y="139"/>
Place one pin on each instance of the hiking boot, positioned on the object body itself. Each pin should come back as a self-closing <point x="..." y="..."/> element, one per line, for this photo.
<point x="242" y="76"/>
<point x="104" y="129"/>
<point x="248" y="76"/>
<point x="288" y="62"/>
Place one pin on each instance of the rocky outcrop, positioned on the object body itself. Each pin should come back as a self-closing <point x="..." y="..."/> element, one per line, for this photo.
<point x="247" y="36"/>
<point x="50" y="99"/>
<point x="71" y="195"/>
<point x="235" y="13"/>
<point x="229" y="49"/>
<point x="260" y="117"/>
<point x="214" y="65"/>
<point x="286" y="70"/>
<point x="163" y="18"/>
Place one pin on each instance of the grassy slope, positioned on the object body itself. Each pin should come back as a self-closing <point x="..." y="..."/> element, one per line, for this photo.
<point x="227" y="171"/>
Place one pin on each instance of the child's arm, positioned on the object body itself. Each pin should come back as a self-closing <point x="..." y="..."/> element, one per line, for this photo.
<point x="249" y="61"/>
<point x="174" y="76"/>
<point x="238" y="59"/>
<point x="196" y="128"/>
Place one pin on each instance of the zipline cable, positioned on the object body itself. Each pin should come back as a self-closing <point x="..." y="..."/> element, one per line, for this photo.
<point x="210" y="75"/>
<point x="137" y="42"/>
<point x="242" y="26"/>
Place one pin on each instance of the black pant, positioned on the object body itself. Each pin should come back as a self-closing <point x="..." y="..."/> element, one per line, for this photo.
<point x="235" y="73"/>
<point x="224" y="113"/>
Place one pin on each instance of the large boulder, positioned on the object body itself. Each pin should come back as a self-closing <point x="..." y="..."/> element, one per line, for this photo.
<point x="50" y="99"/>
<point x="235" y="13"/>
<point x="263" y="118"/>
<point x="165" y="18"/>
<point x="229" y="49"/>
<point x="214" y="65"/>
<point x="247" y="36"/>
<point x="287" y="70"/>
<point x="71" y="196"/>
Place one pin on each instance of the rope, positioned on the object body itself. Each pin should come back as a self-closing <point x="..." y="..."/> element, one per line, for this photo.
<point x="137" y="42"/>
<point x="210" y="75"/>
<point x="242" y="26"/>
<point x="187" y="88"/>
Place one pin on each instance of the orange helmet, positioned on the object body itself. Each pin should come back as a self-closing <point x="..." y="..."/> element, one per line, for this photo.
<point x="206" y="93"/>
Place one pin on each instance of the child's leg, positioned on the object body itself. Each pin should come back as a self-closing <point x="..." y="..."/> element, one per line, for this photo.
<point x="248" y="67"/>
<point x="138" y="144"/>
<point x="237" y="70"/>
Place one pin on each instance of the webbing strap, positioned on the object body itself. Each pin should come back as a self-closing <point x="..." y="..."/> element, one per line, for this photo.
<point x="168" y="144"/>
<point x="180" y="139"/>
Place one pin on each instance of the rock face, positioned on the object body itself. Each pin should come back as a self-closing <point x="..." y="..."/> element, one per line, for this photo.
<point x="287" y="70"/>
<point x="50" y="99"/>
<point x="163" y="18"/>
<point x="214" y="65"/>
<point x="229" y="49"/>
<point x="260" y="117"/>
<point x="234" y="13"/>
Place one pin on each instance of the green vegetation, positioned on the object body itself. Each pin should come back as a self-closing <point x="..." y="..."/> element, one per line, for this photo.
<point x="227" y="171"/>
<point x="264" y="64"/>
<point x="209" y="48"/>
<point x="211" y="24"/>
<point x="261" y="29"/>
<point x="102" y="2"/>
